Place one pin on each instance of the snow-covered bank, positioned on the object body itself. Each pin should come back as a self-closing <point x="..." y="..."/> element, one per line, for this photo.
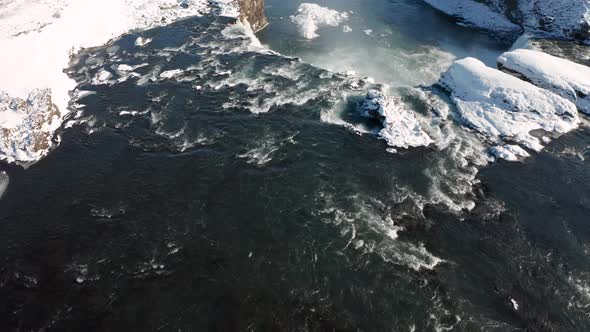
<point x="37" y="39"/>
<point x="401" y="129"/>
<point x="558" y="18"/>
<point x="476" y="14"/>
<point x="310" y="17"/>
<point x="504" y="108"/>
<point x="27" y="126"/>
<point x="567" y="79"/>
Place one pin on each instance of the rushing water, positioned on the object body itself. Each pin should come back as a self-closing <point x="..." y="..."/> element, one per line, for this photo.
<point x="219" y="186"/>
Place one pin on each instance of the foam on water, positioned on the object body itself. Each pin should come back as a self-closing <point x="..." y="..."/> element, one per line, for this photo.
<point x="369" y="227"/>
<point x="265" y="149"/>
<point x="4" y="182"/>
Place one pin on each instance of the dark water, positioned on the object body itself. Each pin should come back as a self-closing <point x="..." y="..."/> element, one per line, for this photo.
<point x="228" y="203"/>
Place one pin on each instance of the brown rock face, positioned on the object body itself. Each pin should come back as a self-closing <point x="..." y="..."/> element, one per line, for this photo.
<point x="253" y="12"/>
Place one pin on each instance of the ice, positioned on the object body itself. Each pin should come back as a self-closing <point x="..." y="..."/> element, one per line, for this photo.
<point x="567" y="79"/>
<point x="504" y="108"/>
<point x="509" y="152"/>
<point x="310" y="17"/>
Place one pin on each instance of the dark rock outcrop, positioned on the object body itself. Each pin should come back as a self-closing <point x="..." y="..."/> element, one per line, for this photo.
<point x="252" y="11"/>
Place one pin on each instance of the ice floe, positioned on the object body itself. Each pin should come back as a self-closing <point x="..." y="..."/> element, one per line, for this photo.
<point x="310" y="17"/>
<point x="567" y="79"/>
<point x="504" y="108"/>
<point x="401" y="129"/>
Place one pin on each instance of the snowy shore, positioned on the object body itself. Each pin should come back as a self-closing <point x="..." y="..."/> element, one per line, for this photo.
<point x="39" y="37"/>
<point x="554" y="18"/>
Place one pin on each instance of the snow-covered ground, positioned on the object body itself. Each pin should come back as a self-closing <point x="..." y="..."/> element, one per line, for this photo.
<point x="310" y="17"/>
<point x="37" y="39"/>
<point x="505" y="109"/>
<point x="567" y="79"/>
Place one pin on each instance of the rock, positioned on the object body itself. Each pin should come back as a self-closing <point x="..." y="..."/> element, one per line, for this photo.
<point x="504" y="108"/>
<point x="565" y="78"/>
<point x="566" y="49"/>
<point x="401" y="128"/>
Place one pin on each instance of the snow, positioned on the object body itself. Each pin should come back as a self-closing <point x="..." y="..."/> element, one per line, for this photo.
<point x="4" y="182"/>
<point x="504" y="108"/>
<point x="401" y="129"/>
<point x="567" y="79"/>
<point x="476" y="14"/>
<point x="37" y="38"/>
<point x="310" y="17"/>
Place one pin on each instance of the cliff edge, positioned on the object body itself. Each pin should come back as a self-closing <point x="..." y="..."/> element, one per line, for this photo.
<point x="252" y="11"/>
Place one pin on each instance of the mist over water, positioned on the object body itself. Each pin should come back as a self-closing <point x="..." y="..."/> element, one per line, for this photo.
<point x="218" y="186"/>
<point x="400" y="42"/>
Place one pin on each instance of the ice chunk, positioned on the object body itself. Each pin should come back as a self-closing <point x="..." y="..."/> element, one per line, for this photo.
<point x="310" y="17"/>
